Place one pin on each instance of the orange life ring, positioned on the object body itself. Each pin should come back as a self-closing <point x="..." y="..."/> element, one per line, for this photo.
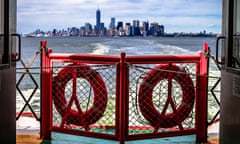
<point x="70" y="116"/>
<point x="161" y="119"/>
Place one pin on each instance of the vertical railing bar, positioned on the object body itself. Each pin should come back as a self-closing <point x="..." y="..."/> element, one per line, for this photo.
<point x="122" y="99"/>
<point x="202" y="100"/>
<point x="45" y="93"/>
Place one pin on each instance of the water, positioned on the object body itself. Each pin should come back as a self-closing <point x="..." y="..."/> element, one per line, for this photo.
<point x="102" y="45"/>
<point x="115" y="45"/>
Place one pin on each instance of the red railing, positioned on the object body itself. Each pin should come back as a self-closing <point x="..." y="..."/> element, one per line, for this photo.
<point x="130" y="97"/>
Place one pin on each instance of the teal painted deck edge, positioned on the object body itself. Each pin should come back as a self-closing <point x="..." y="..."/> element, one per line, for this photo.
<point x="60" y="138"/>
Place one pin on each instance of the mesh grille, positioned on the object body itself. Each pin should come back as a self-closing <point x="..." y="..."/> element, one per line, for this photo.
<point x="84" y="96"/>
<point x="160" y="102"/>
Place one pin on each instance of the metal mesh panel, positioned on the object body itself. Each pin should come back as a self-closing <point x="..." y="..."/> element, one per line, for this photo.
<point x="166" y="106"/>
<point x="84" y="97"/>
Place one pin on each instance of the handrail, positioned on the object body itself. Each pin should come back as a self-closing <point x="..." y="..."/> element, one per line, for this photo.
<point x="217" y="49"/>
<point x="199" y="64"/>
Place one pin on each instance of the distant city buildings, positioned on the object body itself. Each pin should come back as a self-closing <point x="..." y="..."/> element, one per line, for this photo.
<point x="136" y="28"/>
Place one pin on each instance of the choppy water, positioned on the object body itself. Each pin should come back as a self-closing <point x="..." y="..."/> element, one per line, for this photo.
<point x="114" y="45"/>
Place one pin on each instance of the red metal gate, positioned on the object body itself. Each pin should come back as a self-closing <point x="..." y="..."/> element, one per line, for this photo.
<point x="124" y="97"/>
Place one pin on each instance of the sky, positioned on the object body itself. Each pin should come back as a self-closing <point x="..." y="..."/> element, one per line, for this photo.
<point x="175" y="15"/>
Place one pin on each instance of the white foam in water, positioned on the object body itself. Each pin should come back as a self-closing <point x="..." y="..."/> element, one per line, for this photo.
<point x="139" y="47"/>
<point x="100" y="49"/>
<point x="178" y="50"/>
<point x="34" y="102"/>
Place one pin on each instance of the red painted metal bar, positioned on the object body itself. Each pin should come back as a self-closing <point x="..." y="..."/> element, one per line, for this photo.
<point x="154" y="59"/>
<point x="45" y="92"/>
<point x="88" y="58"/>
<point x="122" y="111"/>
<point x="201" y="102"/>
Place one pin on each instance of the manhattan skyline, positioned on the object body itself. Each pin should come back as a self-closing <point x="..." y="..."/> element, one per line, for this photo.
<point x="175" y="15"/>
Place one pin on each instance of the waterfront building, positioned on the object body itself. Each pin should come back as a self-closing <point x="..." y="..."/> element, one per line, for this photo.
<point x="120" y="30"/>
<point x="112" y="27"/>
<point x="128" y="29"/>
<point x="98" y="22"/>
<point x="112" y="23"/>
<point x="136" y="28"/>
<point x="136" y="23"/>
<point x="88" y="29"/>
<point x="98" y="18"/>
<point x="119" y="25"/>
<point x="145" y="31"/>
<point x="74" y="31"/>
<point x="99" y="28"/>
<point x="161" y="30"/>
<point x="156" y="29"/>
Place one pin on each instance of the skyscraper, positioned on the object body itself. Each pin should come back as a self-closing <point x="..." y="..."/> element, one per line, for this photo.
<point x="112" y="23"/>
<point x="145" y="28"/>
<point x="98" y="18"/>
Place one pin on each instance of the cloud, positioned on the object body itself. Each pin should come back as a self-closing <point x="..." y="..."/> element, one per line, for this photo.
<point x="211" y="25"/>
<point x="45" y="14"/>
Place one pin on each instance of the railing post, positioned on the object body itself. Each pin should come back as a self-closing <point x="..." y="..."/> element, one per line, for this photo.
<point x="123" y="118"/>
<point x="202" y="100"/>
<point x="45" y="92"/>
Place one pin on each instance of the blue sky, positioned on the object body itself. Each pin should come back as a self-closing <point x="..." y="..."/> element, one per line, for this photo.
<point x="175" y="15"/>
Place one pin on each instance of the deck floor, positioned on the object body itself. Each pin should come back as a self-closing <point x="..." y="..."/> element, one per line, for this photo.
<point x="65" y="139"/>
<point x="28" y="133"/>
